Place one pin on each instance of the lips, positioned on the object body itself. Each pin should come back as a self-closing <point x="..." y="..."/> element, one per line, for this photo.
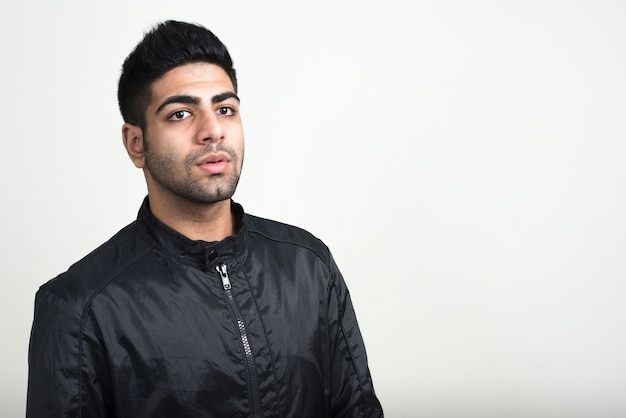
<point x="214" y="163"/>
<point x="214" y="158"/>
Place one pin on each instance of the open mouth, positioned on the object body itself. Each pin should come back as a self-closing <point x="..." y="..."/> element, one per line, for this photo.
<point x="214" y="163"/>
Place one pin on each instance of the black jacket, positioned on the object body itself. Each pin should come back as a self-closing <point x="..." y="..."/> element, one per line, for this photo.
<point x="152" y="324"/>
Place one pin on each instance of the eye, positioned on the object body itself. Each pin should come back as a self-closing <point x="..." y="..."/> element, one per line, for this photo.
<point x="225" y="111"/>
<point x="179" y="115"/>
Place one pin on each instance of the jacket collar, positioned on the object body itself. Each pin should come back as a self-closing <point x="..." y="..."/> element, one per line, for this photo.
<point x="230" y="249"/>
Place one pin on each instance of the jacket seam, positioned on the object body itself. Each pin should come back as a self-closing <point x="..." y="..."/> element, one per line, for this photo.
<point x="313" y="250"/>
<point x="347" y="342"/>
<point x="269" y="345"/>
<point x="83" y="320"/>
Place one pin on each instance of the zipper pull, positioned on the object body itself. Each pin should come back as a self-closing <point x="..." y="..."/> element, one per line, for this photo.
<point x="221" y="269"/>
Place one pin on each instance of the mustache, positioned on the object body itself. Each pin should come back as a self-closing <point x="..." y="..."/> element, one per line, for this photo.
<point x="211" y="149"/>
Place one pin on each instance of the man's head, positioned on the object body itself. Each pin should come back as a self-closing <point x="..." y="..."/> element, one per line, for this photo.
<point x="182" y="125"/>
<point x="168" y="45"/>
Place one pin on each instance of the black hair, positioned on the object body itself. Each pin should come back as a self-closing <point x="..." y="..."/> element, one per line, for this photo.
<point x="168" y="45"/>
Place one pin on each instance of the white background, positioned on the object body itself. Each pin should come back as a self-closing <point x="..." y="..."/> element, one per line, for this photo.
<point x="464" y="160"/>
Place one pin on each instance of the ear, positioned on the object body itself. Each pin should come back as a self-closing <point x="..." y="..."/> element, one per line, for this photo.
<point x="132" y="136"/>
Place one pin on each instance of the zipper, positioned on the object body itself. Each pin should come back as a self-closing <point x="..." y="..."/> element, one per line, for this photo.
<point x="253" y="380"/>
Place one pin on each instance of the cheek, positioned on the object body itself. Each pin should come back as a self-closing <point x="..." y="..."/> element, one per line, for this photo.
<point x="241" y="150"/>
<point x="167" y="146"/>
<point x="235" y="139"/>
<point x="241" y="145"/>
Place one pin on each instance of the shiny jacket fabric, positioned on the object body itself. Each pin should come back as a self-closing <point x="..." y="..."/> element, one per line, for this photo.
<point x="152" y="324"/>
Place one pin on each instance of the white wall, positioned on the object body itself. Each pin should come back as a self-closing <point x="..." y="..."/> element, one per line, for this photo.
<point x="463" y="159"/>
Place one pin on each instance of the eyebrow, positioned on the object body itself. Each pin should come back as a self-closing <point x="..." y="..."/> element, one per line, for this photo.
<point x="185" y="99"/>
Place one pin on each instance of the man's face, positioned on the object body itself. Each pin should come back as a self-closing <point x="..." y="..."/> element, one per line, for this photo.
<point x="193" y="140"/>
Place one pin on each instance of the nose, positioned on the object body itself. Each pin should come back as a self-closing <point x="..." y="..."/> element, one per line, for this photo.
<point x="210" y="129"/>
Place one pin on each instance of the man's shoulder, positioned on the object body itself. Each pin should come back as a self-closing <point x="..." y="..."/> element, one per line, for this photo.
<point x="290" y="235"/>
<point x="94" y="271"/>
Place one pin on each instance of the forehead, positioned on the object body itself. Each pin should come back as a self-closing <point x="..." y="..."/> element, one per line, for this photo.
<point x="189" y="78"/>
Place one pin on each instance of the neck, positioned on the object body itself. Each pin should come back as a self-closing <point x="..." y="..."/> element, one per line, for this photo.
<point x="197" y="221"/>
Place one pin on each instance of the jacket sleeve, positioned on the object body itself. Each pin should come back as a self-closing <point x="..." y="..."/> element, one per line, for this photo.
<point x="352" y="391"/>
<point x="67" y="369"/>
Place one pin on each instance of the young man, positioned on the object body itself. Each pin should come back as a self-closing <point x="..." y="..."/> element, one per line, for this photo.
<point x="196" y="309"/>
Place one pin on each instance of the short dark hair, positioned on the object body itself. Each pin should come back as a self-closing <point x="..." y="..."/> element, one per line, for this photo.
<point x="168" y="45"/>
